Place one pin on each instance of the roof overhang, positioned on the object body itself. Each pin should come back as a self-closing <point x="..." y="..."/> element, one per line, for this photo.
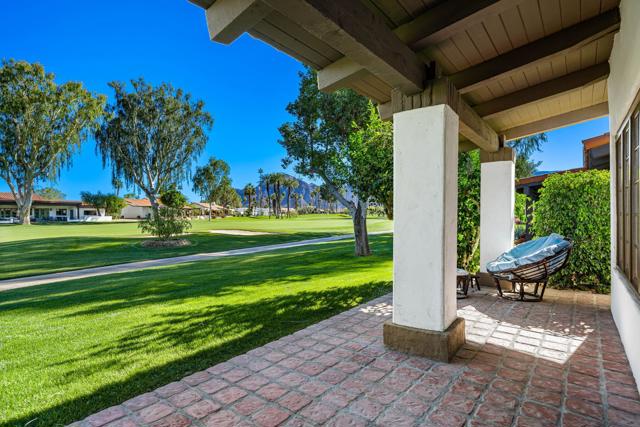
<point x="517" y="67"/>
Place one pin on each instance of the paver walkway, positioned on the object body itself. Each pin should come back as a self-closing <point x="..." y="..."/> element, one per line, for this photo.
<point x="555" y="363"/>
<point x="24" y="282"/>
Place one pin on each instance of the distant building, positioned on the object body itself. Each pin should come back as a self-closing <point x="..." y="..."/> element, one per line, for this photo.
<point x="595" y="156"/>
<point x="136" y="209"/>
<point x="48" y="210"/>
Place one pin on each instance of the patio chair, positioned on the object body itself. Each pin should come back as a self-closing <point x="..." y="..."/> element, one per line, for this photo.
<point x="530" y="263"/>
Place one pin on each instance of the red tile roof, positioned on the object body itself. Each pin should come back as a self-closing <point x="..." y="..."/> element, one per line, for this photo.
<point x="140" y="203"/>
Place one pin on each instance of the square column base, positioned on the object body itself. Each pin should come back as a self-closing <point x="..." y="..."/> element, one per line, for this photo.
<point x="437" y="345"/>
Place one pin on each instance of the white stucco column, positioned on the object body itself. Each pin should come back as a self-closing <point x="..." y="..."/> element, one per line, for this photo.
<point x="425" y="216"/>
<point x="497" y="198"/>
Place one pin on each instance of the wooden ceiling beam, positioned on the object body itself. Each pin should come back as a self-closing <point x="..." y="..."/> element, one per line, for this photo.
<point x="229" y="19"/>
<point x="557" y="43"/>
<point x="448" y="19"/>
<point x="433" y="26"/>
<point x="555" y="122"/>
<point x="543" y="90"/>
<point x="361" y="35"/>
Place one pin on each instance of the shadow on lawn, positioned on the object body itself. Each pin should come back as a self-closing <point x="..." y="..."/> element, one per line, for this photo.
<point x="249" y="325"/>
<point x="41" y="256"/>
<point x="218" y="277"/>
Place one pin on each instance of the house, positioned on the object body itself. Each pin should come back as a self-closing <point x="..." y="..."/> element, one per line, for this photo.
<point x="48" y="210"/>
<point x="136" y="209"/>
<point x="201" y="209"/>
<point x="595" y="154"/>
<point x="489" y="73"/>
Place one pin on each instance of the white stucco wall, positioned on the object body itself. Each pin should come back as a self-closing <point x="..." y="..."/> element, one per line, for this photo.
<point x="134" y="212"/>
<point x="497" y="197"/>
<point x="623" y="85"/>
<point x="425" y="205"/>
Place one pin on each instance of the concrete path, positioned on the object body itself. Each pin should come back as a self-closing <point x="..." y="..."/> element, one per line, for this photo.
<point x="24" y="282"/>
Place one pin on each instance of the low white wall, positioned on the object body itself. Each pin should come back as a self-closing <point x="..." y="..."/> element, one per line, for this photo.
<point x="135" y="212"/>
<point x="625" y="306"/>
<point x="623" y="85"/>
<point x="95" y="218"/>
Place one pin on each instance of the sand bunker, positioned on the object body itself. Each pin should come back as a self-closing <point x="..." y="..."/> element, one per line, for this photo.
<point x="240" y="232"/>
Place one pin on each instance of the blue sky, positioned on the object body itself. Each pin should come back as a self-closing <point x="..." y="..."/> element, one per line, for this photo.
<point x="245" y="86"/>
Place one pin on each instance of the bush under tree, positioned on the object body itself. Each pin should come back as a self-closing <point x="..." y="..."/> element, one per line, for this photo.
<point x="576" y="205"/>
<point x="169" y="221"/>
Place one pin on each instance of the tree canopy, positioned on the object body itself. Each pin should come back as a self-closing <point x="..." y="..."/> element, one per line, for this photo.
<point x="211" y="181"/>
<point x="152" y="136"/>
<point x="42" y="125"/>
<point x="50" y="193"/>
<point x="319" y="143"/>
<point x="108" y="204"/>
<point x="525" y="147"/>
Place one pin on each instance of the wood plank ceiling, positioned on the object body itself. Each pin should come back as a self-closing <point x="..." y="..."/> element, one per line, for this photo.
<point x="516" y="24"/>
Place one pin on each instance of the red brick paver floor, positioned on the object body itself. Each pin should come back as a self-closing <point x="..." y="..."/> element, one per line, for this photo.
<point x="556" y="363"/>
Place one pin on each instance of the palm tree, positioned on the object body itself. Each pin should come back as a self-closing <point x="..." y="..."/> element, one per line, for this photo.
<point x="277" y="180"/>
<point x="117" y="185"/>
<point x="291" y="184"/>
<point x="267" y="182"/>
<point x="315" y="197"/>
<point x="249" y="192"/>
<point x="296" y="200"/>
<point x="259" y="188"/>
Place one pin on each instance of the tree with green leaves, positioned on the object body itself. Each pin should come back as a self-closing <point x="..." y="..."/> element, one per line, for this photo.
<point x="153" y="135"/>
<point x="468" y="233"/>
<point x="525" y="147"/>
<point x="290" y="185"/>
<point x="249" y="193"/>
<point x="42" y="125"/>
<point x="117" y="185"/>
<point x="371" y="156"/>
<point x="210" y="181"/>
<point x="277" y="179"/>
<point x="315" y="198"/>
<point x="297" y="197"/>
<point x="319" y="144"/>
<point x="259" y="187"/>
<point x="229" y="197"/>
<point x="50" y="193"/>
<point x="173" y="198"/>
<point x="105" y="204"/>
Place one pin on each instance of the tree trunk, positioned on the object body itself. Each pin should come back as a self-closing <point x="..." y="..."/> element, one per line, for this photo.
<point x="268" y="202"/>
<point x="359" y="216"/>
<point x="155" y="206"/>
<point x="288" y="200"/>
<point x="24" y="207"/>
<point x="210" y="209"/>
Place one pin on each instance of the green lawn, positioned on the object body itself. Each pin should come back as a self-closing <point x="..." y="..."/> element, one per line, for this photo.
<point x="41" y="249"/>
<point x="70" y="349"/>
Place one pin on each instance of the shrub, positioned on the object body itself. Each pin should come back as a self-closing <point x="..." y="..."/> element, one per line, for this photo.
<point x="173" y="199"/>
<point x="576" y="205"/>
<point x="167" y="224"/>
<point x="469" y="210"/>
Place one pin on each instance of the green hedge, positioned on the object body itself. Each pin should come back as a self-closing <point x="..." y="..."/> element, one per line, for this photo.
<point x="576" y="205"/>
<point x="469" y="210"/>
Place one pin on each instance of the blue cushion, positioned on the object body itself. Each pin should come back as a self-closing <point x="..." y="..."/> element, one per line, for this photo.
<point x="528" y="253"/>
